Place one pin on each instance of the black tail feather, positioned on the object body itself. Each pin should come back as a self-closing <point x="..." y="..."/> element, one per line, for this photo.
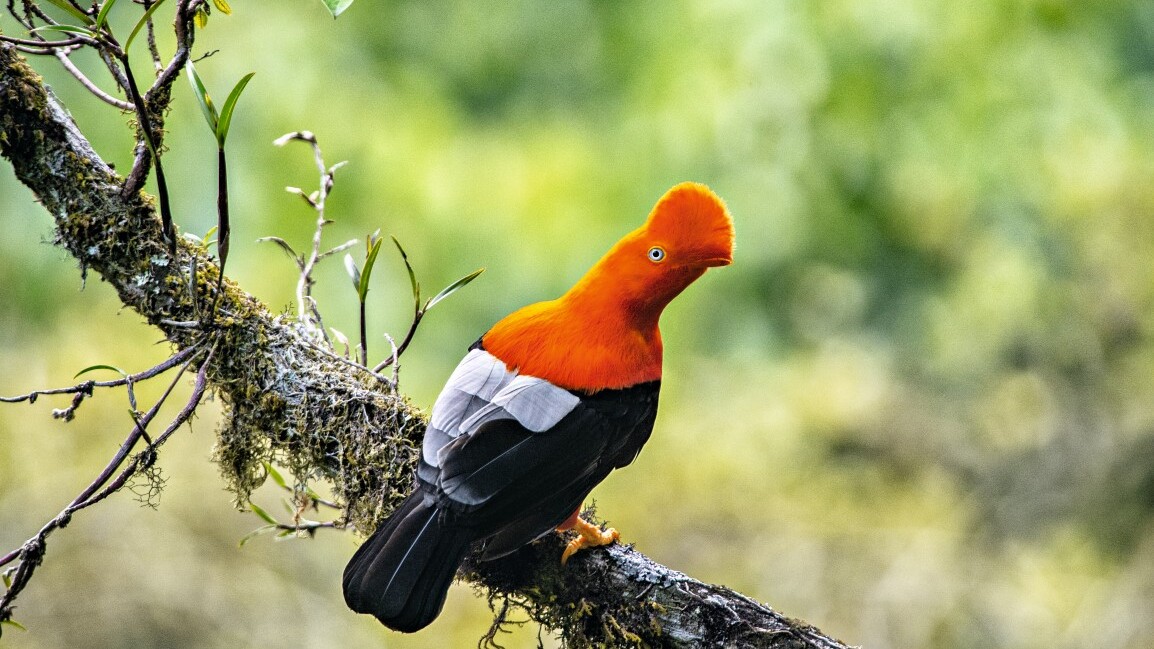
<point x="402" y="573"/>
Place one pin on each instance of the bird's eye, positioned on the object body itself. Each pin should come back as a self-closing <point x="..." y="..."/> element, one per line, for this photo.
<point x="656" y="253"/>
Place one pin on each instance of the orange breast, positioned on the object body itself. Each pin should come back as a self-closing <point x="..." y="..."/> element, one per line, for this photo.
<point x="576" y="348"/>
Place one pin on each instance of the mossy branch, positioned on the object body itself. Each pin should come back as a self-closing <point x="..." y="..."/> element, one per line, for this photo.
<point x="293" y="403"/>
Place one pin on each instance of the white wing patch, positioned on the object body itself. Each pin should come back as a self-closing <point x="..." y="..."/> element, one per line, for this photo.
<point x="483" y="389"/>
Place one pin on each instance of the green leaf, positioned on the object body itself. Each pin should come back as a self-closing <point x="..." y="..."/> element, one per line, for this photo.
<point x="141" y="23"/>
<point x="68" y="29"/>
<point x="275" y="475"/>
<point x="91" y="368"/>
<point x="255" y="533"/>
<point x="76" y="13"/>
<point x="336" y="7"/>
<point x="370" y="260"/>
<point x="222" y="7"/>
<point x="354" y="272"/>
<point x="412" y="276"/>
<point x="452" y="288"/>
<point x="102" y="17"/>
<point x="229" y="106"/>
<point x="256" y="509"/>
<point x="202" y="97"/>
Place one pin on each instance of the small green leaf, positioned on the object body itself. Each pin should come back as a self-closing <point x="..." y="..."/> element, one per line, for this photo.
<point x="412" y="275"/>
<point x="452" y="288"/>
<point x="141" y="23"/>
<point x="336" y="7"/>
<point x="76" y="13"/>
<point x="354" y="272"/>
<point x="91" y="368"/>
<point x="275" y="475"/>
<point x="370" y="260"/>
<point x="202" y="97"/>
<point x="255" y="533"/>
<point x="102" y="17"/>
<point x="201" y="17"/>
<point x="7" y="578"/>
<point x="256" y="509"/>
<point x="67" y="29"/>
<point x="222" y="7"/>
<point x="229" y="106"/>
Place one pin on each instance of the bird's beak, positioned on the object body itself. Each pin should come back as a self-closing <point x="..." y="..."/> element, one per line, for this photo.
<point x="717" y="261"/>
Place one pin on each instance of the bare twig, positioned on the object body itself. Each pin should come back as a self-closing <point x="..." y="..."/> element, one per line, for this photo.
<point x="394" y="360"/>
<point x="48" y="46"/>
<point x="307" y="312"/>
<point x="62" y="55"/>
<point x="87" y="386"/>
<point x="418" y="315"/>
<point x="309" y="527"/>
<point x="110" y="480"/>
<point x="157" y="64"/>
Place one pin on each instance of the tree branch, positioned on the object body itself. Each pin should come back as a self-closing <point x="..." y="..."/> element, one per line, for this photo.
<point x="291" y="403"/>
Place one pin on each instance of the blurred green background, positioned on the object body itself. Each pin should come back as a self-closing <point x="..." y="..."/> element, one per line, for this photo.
<point x="918" y="410"/>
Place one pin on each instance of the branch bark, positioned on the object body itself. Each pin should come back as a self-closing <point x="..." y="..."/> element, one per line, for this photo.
<point x="294" y="403"/>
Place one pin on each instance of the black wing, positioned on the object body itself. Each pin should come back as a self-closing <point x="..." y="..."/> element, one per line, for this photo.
<point x="512" y="484"/>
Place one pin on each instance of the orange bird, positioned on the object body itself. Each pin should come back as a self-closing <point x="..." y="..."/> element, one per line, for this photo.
<point x="548" y="402"/>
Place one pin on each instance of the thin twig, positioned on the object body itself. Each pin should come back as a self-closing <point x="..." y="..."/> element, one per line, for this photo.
<point x="394" y="360"/>
<point x="158" y="95"/>
<point x="48" y="45"/>
<point x="62" y="55"/>
<point x="150" y="137"/>
<point x="86" y="386"/>
<point x="309" y="527"/>
<point x="417" y="316"/>
<point x="307" y="312"/>
<point x="157" y="64"/>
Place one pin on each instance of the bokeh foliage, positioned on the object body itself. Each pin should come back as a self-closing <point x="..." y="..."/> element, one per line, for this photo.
<point x="918" y="411"/>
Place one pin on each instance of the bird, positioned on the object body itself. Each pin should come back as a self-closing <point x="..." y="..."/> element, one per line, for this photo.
<point x="543" y="406"/>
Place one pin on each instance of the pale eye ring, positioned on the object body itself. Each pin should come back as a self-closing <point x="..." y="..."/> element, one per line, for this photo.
<point x="656" y="254"/>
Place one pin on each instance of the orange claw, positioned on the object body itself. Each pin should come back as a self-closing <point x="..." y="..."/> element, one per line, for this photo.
<point x="589" y="536"/>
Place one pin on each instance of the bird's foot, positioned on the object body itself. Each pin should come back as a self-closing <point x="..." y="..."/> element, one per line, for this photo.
<point x="588" y="536"/>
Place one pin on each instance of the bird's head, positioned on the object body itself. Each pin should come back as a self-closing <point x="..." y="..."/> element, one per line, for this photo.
<point x="688" y="231"/>
<point x="603" y="332"/>
<point x="689" y="228"/>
